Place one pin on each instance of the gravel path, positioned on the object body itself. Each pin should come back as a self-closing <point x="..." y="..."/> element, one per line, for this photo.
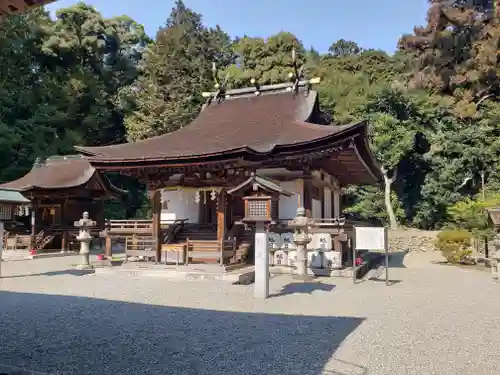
<point x="435" y="320"/>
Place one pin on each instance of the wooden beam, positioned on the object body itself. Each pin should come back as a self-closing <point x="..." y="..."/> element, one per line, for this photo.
<point x="308" y="186"/>
<point x="221" y="215"/>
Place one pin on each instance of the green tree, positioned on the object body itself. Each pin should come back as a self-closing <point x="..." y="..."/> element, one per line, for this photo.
<point x="344" y="47"/>
<point x="92" y="58"/>
<point x="268" y="61"/>
<point x="176" y="69"/>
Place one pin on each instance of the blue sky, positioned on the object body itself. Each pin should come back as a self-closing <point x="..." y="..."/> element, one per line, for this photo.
<point x="372" y="24"/>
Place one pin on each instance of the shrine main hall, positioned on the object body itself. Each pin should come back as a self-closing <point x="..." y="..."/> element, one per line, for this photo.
<point x="277" y="132"/>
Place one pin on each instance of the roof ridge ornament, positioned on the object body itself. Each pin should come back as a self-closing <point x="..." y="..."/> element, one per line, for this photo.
<point x="298" y="74"/>
<point x="297" y="78"/>
<point x="220" y="94"/>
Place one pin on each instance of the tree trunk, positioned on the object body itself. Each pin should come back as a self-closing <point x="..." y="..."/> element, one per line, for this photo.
<point x="388" y="204"/>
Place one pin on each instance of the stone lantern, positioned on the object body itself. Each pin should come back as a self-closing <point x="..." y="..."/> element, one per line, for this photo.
<point x="84" y="237"/>
<point x="261" y="198"/>
<point x="301" y="224"/>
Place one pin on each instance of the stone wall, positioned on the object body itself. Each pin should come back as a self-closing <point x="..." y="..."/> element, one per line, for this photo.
<point x="412" y="239"/>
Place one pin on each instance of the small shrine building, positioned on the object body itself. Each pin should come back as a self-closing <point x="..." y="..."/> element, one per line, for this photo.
<point x="60" y="189"/>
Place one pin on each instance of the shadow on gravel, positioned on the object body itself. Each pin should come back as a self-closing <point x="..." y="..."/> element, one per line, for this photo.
<point x="303" y="288"/>
<point x="70" y="272"/>
<point x="77" y="335"/>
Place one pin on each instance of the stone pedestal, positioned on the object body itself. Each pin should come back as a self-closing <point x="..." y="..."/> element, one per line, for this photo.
<point x="494" y="265"/>
<point x="261" y="286"/>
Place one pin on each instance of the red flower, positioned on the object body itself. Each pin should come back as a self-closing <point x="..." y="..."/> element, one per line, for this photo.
<point x="359" y="261"/>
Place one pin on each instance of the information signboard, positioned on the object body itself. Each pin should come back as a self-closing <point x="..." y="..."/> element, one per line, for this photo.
<point x="371" y="238"/>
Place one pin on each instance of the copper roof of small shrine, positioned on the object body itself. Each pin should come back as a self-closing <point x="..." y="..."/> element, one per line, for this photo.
<point x="59" y="172"/>
<point x="255" y="182"/>
<point x="274" y="122"/>
<point x="19" y="6"/>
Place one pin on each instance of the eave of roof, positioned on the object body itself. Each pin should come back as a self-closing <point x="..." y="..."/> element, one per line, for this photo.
<point x="261" y="182"/>
<point x="8" y="7"/>
<point x="60" y="172"/>
<point x="8" y="196"/>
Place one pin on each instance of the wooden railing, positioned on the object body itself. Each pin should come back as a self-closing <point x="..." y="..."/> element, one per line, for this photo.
<point x="140" y="246"/>
<point x="129" y="226"/>
<point x="124" y="227"/>
<point x="220" y="250"/>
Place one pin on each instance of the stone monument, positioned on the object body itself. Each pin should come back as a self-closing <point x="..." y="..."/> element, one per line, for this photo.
<point x="84" y="237"/>
<point x="301" y="224"/>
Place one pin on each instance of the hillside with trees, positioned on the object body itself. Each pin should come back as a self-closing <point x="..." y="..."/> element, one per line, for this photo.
<point x="433" y="106"/>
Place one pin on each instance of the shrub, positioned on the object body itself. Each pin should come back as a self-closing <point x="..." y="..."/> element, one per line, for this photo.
<point x="455" y="245"/>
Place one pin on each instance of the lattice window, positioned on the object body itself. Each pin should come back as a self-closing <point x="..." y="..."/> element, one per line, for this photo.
<point x="5" y="212"/>
<point x="257" y="208"/>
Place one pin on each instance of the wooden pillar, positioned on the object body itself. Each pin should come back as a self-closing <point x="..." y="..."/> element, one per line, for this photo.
<point x="64" y="226"/>
<point x="336" y="199"/>
<point x="155" y="196"/>
<point x="108" y="247"/>
<point x="308" y="193"/>
<point x="322" y="200"/>
<point x="221" y="215"/>
<point x="64" y="240"/>
<point x="332" y="202"/>
<point x="33" y="224"/>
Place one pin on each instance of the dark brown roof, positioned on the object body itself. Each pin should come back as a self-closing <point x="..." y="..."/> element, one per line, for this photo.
<point x="244" y="127"/>
<point x="257" y="124"/>
<point x="58" y="172"/>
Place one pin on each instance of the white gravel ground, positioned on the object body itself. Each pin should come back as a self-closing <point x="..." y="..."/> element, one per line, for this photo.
<point x="436" y="320"/>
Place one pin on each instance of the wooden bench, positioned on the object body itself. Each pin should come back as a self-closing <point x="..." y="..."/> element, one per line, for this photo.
<point x="220" y="250"/>
<point x="175" y="248"/>
<point x="137" y="246"/>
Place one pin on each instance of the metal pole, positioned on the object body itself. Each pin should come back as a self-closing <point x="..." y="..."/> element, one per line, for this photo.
<point x="386" y="245"/>
<point x="353" y="263"/>
<point x="386" y="266"/>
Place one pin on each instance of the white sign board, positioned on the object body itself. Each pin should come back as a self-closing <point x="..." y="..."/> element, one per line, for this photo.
<point x="371" y="238"/>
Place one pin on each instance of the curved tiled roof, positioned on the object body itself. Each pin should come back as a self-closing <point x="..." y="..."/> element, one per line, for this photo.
<point x="274" y="123"/>
<point x="58" y="172"/>
<point x="256" y="124"/>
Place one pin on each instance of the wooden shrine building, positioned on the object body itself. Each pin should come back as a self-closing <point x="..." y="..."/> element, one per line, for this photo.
<point x="60" y="189"/>
<point x="277" y="132"/>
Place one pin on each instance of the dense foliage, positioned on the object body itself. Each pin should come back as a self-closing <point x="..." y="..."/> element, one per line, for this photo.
<point x="433" y="105"/>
